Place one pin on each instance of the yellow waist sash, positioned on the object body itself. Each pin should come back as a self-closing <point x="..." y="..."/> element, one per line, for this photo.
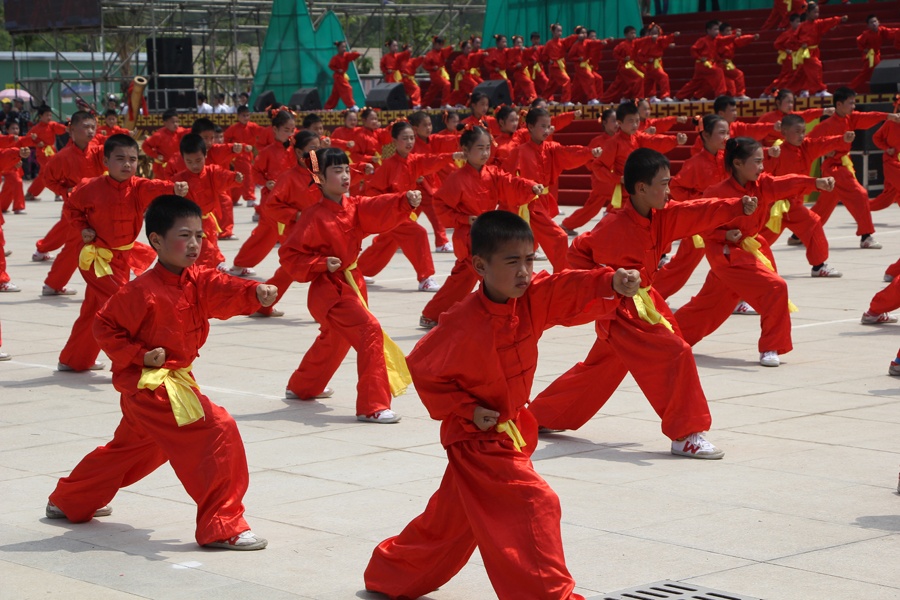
<point x="801" y="55"/>
<point x="535" y="70"/>
<point x="397" y="76"/>
<point x="750" y="245"/>
<point x="347" y="77"/>
<point x="847" y="162"/>
<point x="775" y="216"/>
<point x="49" y="151"/>
<point x="561" y="64"/>
<point x="510" y="429"/>
<point x="657" y="63"/>
<point x="586" y="66"/>
<point x="394" y="359"/>
<point x="616" y="201"/>
<point x="444" y="74"/>
<point x="630" y="65"/>
<point x="707" y="64"/>
<point x="215" y="221"/>
<point x="524" y="212"/>
<point x="781" y="56"/>
<point x="870" y="56"/>
<point x="457" y="80"/>
<point x="698" y="241"/>
<point x="475" y="72"/>
<point x="503" y="74"/>
<point x="647" y="309"/>
<point x="180" y="388"/>
<point x="99" y="257"/>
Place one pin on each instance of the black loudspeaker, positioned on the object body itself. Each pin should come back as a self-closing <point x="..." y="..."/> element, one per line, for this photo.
<point x="264" y="100"/>
<point x="863" y="139"/>
<point x="305" y="99"/>
<point x="170" y="56"/>
<point x="886" y="77"/>
<point x="181" y="99"/>
<point x="497" y="91"/>
<point x="388" y="96"/>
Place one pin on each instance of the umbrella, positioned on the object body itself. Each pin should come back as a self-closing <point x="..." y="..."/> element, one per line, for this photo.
<point x="15" y="94"/>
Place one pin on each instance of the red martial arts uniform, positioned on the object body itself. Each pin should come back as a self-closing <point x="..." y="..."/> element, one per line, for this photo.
<point x="63" y="172"/>
<point x="544" y="163"/>
<point x="736" y="129"/>
<point x="524" y="92"/>
<point x="248" y="135"/>
<point x="869" y="42"/>
<point x="708" y="80"/>
<point x="649" y="60"/>
<point x="496" y="64"/>
<point x="8" y="159"/>
<point x="806" y="225"/>
<point x="584" y="87"/>
<point x="464" y="80"/>
<point x="435" y="64"/>
<point x="607" y="170"/>
<point x="556" y="50"/>
<point x="115" y="211"/>
<point x="660" y="361"/>
<point x="535" y="62"/>
<point x="811" y="116"/>
<point x="206" y="189"/>
<point x="558" y="122"/>
<point x="390" y="67"/>
<point x="398" y="174"/>
<point x="887" y="299"/>
<point x="369" y="143"/>
<point x="697" y="173"/>
<point x="629" y="81"/>
<point x="809" y="62"/>
<point x="661" y="124"/>
<point x="737" y="274"/>
<point x="847" y="188"/>
<point x="469" y="193"/>
<point x="104" y="131"/>
<point x="163" y="142"/>
<point x="787" y="44"/>
<point x="12" y="194"/>
<point x="162" y="309"/>
<point x="431" y="183"/>
<point x="734" y="77"/>
<point x="44" y="137"/>
<point x="336" y="229"/>
<point x="408" y="67"/>
<point x="485" y="354"/>
<point x="782" y="10"/>
<point x="341" y="90"/>
<point x="888" y="138"/>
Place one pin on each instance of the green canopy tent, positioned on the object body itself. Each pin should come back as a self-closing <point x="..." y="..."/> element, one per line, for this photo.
<point x="295" y="55"/>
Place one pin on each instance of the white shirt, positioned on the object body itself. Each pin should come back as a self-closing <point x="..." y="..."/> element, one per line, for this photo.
<point x="223" y="109"/>
<point x="205" y="108"/>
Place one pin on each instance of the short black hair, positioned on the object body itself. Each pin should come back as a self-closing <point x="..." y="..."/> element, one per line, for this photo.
<point x="219" y="129"/>
<point x="783" y="94"/>
<point x="722" y="103"/>
<point x="165" y="210"/>
<point x="607" y="113"/>
<point x="202" y="125"/>
<point x="625" y="109"/>
<point x="170" y="112"/>
<point x="495" y="228"/>
<point x="629" y="29"/>
<point x="243" y="108"/>
<point x="111" y="113"/>
<point x="43" y="108"/>
<point x="712" y="23"/>
<point x="534" y="114"/>
<point x="724" y="25"/>
<point x="81" y="115"/>
<point x="120" y="140"/>
<point x="870" y="17"/>
<point x="842" y="94"/>
<point x="310" y="120"/>
<point x="642" y="166"/>
<point x="202" y="97"/>
<point x="795" y="17"/>
<point x="192" y="143"/>
<point x="791" y="120"/>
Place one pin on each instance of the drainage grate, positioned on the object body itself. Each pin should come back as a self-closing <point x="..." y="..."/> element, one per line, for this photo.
<point x="671" y="590"/>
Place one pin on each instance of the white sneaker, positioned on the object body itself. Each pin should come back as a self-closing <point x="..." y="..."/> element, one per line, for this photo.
<point x="63" y="368"/>
<point x="42" y="256"/>
<point x="696" y="446"/>
<point x="57" y="198"/>
<point x="826" y="271"/>
<point x="445" y="249"/>
<point x="429" y="285"/>
<point x="804" y="93"/>
<point x="383" y="416"/>
<point x="53" y="512"/>
<point x="744" y="309"/>
<point x="769" y="359"/>
<point x="369" y="280"/>
<point x="246" y="540"/>
<point x="823" y="94"/>
<point x="49" y="291"/>
<point x="251" y="203"/>
<point x="326" y="393"/>
<point x="9" y="287"/>
<point x="870" y="244"/>
<point x="668" y="99"/>
<point x="654" y="99"/>
<point x="538" y="255"/>
<point x="593" y="102"/>
<point x="426" y="323"/>
<point x="354" y="108"/>
<point x="873" y="319"/>
<point x="5" y="356"/>
<point x="222" y="267"/>
<point x="241" y="271"/>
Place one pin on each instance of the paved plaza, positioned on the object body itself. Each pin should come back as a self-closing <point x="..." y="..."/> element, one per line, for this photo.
<point x="804" y="505"/>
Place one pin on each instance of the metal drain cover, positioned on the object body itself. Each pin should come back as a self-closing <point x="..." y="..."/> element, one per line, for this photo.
<point x="674" y="590"/>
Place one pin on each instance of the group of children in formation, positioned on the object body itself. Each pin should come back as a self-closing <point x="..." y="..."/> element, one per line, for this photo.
<point x="493" y="179"/>
<point x="567" y="68"/>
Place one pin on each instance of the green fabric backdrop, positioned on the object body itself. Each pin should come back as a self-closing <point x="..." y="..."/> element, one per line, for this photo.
<point x="295" y="55"/>
<point x="608" y="17"/>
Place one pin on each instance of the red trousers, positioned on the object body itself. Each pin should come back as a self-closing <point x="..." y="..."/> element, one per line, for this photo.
<point x="459" y="284"/>
<point x="247" y="190"/>
<point x="440" y="232"/>
<point x="584" y="86"/>
<point x="341" y="91"/>
<point x="676" y="273"/>
<point x="37" y="185"/>
<point x="525" y="91"/>
<point x="282" y="281"/>
<point x="807" y="226"/>
<point x="849" y="191"/>
<point x="891" y="193"/>
<point x="732" y="278"/>
<point x="55" y="238"/>
<point x="893" y="270"/>
<point x="550" y="236"/>
<point x="226" y="223"/>
<point x="809" y="75"/>
<point x="4" y="276"/>
<point x="559" y="82"/>
<point x="541" y="82"/>
<point x="11" y="194"/>
<point x="708" y="82"/>
<point x="660" y="361"/>
<point x="438" y="93"/>
<point x="411" y="238"/>
<point x="656" y="82"/>
<point x="66" y="261"/>
<point x="629" y="83"/>
<point x="887" y="299"/>
<point x="599" y="197"/>
<point x="209" y="251"/>
<point x="490" y="498"/>
<point x="413" y="92"/>
<point x="860" y="83"/>
<point x="734" y="82"/>
<point x="346" y="324"/>
<point x="207" y="456"/>
<point x="460" y="95"/>
<point x="261" y="241"/>
<point x="159" y="170"/>
<point x="785" y="78"/>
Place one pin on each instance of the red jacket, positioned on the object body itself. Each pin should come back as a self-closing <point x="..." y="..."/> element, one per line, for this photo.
<point x="698" y="173"/>
<point x="207" y="187"/>
<point x="68" y="167"/>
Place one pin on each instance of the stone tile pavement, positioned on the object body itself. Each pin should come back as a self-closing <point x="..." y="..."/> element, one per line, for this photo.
<point x="803" y="506"/>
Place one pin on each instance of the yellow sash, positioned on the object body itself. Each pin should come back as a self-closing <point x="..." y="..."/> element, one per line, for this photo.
<point x="616" y="201"/>
<point x="475" y="72"/>
<point x="99" y="257"/>
<point x="847" y="162"/>
<point x="535" y="70"/>
<point x="215" y="221"/>
<point x="781" y="56"/>
<point x="397" y="371"/>
<point x="586" y="66"/>
<point x="503" y="74"/>
<point x="630" y="65"/>
<point x="870" y="56"/>
<point x="49" y="151"/>
<point x="281" y="227"/>
<point x="698" y="241"/>
<point x="749" y="244"/>
<point x="657" y="63"/>
<point x="778" y="209"/>
<point x="647" y="310"/>
<point x="397" y="76"/>
<point x="457" y="80"/>
<point x="510" y="429"/>
<point x="729" y="66"/>
<point x="707" y="64"/>
<point x="180" y="388"/>
<point x="444" y="74"/>
<point x="562" y="65"/>
<point x="800" y="56"/>
<point x="789" y="4"/>
<point x="524" y="212"/>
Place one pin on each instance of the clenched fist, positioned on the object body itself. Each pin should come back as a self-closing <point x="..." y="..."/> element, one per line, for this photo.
<point x="332" y="263"/>
<point x="626" y="282"/>
<point x="181" y="188"/>
<point x="825" y="184"/>
<point x="749" y="203"/>
<point x="266" y="294"/>
<point x="414" y="197"/>
<point x="155" y="358"/>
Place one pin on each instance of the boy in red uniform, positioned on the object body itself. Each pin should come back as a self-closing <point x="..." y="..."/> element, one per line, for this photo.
<point x="9" y="158"/>
<point x="247" y="133"/>
<point x="708" y="80"/>
<point x="110" y="125"/>
<point x="544" y="161"/>
<point x="786" y="44"/>
<point x="107" y="212"/>
<point x="555" y="51"/>
<point x="782" y="10"/>
<point x="11" y="195"/>
<point x="726" y="107"/>
<point x="649" y="50"/>
<point x="536" y="62"/>
<point x="162" y="144"/>
<point x="153" y="329"/>
<point x="322" y="250"/>
<point x="435" y="63"/>
<point x="520" y="72"/>
<point x="474" y="373"/>
<point x="341" y="90"/>
<point x="642" y="336"/>
<point x="869" y="42"/>
<point x="888" y="139"/>
<point x="429" y="184"/>
<point x="629" y="81"/>
<point x="808" y="59"/>
<point x="44" y="134"/>
<point x="585" y="86"/>
<point x="847" y="188"/>
<point x="727" y="45"/>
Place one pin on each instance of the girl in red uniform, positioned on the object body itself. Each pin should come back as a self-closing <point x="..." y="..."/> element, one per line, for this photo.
<point x="481" y="105"/>
<point x="649" y="50"/>
<point x="435" y="64"/>
<point x="784" y="106"/>
<point x="390" y="67"/>
<point x="44" y="134"/>
<point x="523" y="84"/>
<point x="728" y="43"/>
<point x="787" y="43"/>
<point x="370" y="138"/>
<point x="464" y="81"/>
<point x="496" y="62"/>
<point x="474" y="189"/>
<point x="10" y="158"/>
<point x="11" y="195"/>
<point x="340" y="64"/>
<point x="322" y="250"/>
<point x="556" y="49"/>
<point x="503" y="143"/>
<point x="536" y="61"/>
<point x="429" y="184"/>
<point x="741" y="262"/>
<point x="809" y="78"/>
<point x="584" y="89"/>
